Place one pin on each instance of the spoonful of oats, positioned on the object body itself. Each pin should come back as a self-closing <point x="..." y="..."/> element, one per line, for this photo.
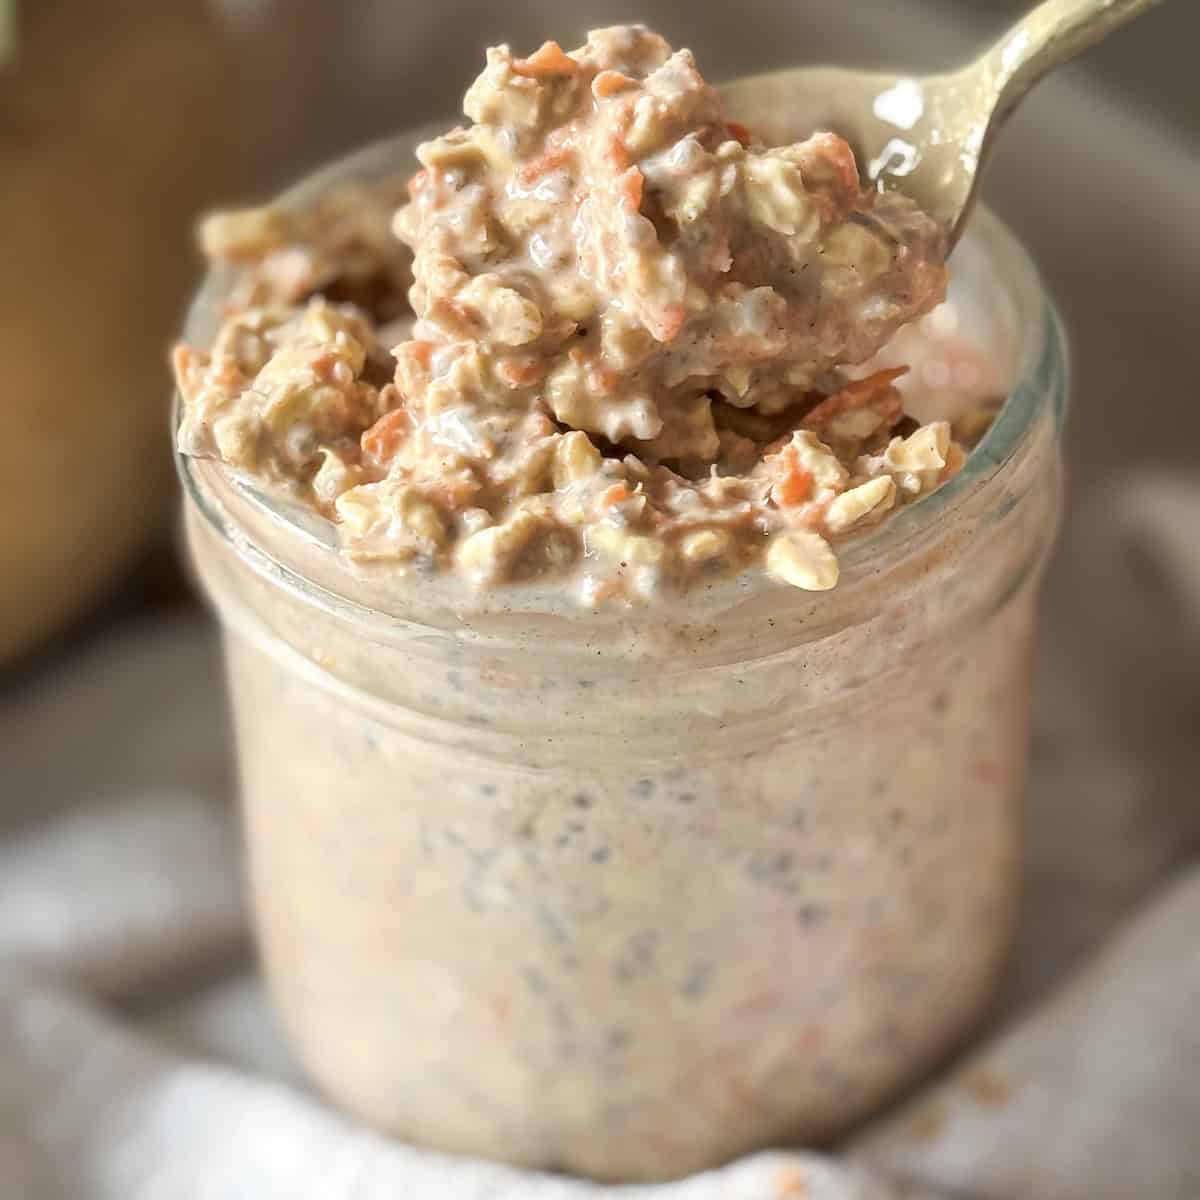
<point x="644" y="336"/>
<point x="929" y="137"/>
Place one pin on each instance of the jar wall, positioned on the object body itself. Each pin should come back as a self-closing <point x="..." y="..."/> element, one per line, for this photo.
<point x="627" y="893"/>
<point x="637" y="964"/>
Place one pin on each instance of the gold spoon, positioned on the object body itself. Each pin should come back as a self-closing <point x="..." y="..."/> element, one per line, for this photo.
<point x="928" y="137"/>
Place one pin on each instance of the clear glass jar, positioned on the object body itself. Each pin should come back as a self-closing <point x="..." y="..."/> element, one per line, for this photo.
<point x="629" y="892"/>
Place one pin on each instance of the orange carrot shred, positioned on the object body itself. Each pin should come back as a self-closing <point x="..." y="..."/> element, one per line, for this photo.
<point x="740" y="132"/>
<point x="549" y="160"/>
<point x="549" y="59"/>
<point x="669" y="322"/>
<point x="615" y="495"/>
<point x="422" y="352"/>
<point x="877" y="380"/>
<point x="874" y="391"/>
<point x="632" y="186"/>
<point x="384" y="439"/>
<point x="615" y="153"/>
<point x="609" y="83"/>
<point x="795" y="487"/>
<point x="519" y="370"/>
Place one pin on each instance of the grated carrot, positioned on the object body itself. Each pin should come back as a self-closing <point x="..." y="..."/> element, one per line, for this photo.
<point x="631" y="187"/>
<point x="549" y="59"/>
<point x="740" y="132"/>
<point x="876" y="380"/>
<point x="323" y="364"/>
<point x="609" y="83"/>
<point x="520" y="370"/>
<point x="614" y="153"/>
<point x="614" y="495"/>
<point x="549" y="160"/>
<point x="421" y="352"/>
<point x="796" y="485"/>
<point x="875" y="391"/>
<point x="668" y="323"/>
<point x="384" y="439"/>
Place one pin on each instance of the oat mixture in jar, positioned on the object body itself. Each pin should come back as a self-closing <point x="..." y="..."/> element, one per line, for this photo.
<point x="626" y="364"/>
<point x="589" y="826"/>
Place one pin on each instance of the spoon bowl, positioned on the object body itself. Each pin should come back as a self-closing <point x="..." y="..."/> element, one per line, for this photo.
<point x="929" y="136"/>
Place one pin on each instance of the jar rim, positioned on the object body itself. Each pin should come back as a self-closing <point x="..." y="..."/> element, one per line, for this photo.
<point x="436" y="602"/>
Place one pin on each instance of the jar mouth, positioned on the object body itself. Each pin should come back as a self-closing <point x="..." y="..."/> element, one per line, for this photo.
<point x="988" y="262"/>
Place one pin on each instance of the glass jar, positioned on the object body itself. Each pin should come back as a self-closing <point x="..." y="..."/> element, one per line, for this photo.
<point x="627" y="893"/>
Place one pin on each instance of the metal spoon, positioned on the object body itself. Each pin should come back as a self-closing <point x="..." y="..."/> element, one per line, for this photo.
<point x="928" y="137"/>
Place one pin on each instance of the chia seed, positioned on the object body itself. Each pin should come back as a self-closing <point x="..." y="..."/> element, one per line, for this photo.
<point x="696" y="982"/>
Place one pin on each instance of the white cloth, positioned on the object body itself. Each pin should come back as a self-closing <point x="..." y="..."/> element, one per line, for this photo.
<point x="140" y="1061"/>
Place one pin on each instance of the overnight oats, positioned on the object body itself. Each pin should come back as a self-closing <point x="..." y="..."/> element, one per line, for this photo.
<point x="627" y="554"/>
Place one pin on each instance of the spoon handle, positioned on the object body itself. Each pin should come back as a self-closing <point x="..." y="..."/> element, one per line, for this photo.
<point x="1046" y="37"/>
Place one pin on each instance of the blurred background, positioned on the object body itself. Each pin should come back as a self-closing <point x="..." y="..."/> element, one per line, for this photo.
<point x="121" y="120"/>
